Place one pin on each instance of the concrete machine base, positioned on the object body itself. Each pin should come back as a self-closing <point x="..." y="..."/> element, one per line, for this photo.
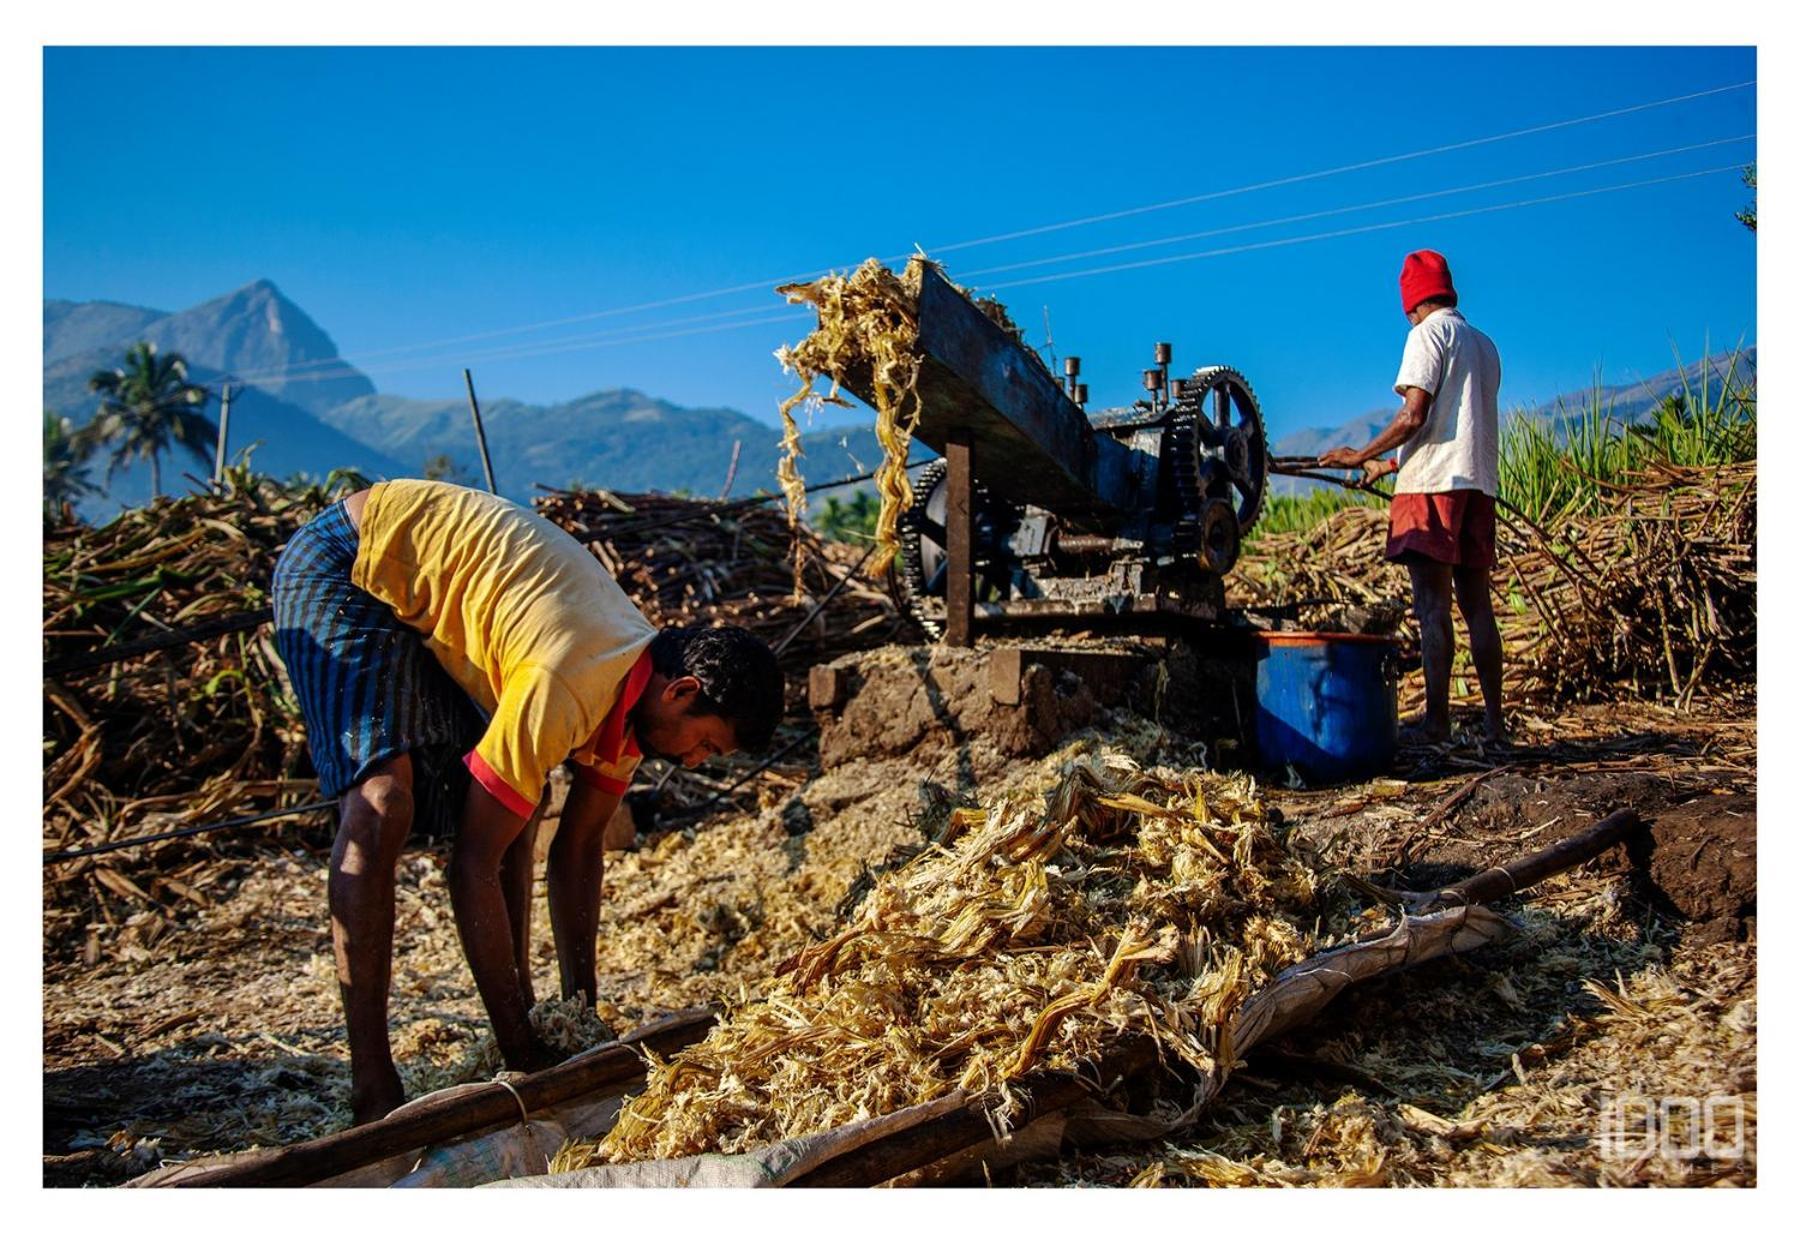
<point x="1027" y="695"/>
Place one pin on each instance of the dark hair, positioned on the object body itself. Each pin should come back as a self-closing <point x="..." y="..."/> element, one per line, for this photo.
<point x="1447" y="300"/>
<point x="738" y="677"/>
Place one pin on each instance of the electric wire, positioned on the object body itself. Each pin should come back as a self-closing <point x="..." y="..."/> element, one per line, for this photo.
<point x="547" y="347"/>
<point x="784" y="314"/>
<point x="1371" y="205"/>
<point x="1356" y="231"/>
<point x="1303" y="177"/>
<point x="1365" y="165"/>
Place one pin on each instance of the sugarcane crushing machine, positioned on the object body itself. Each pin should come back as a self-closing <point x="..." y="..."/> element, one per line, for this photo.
<point x="1038" y="510"/>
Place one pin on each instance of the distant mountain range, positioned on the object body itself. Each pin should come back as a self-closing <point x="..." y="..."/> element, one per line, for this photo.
<point x="620" y="439"/>
<point x="312" y="412"/>
<point x="253" y="331"/>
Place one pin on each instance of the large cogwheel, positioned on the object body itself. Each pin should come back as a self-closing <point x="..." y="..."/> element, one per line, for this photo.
<point x="1219" y="447"/>
<point x="917" y="529"/>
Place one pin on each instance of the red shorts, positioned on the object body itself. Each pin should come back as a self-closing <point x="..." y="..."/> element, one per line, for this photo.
<point x="1455" y="528"/>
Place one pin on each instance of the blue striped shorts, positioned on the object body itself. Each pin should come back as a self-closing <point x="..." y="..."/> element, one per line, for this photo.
<point x="369" y="688"/>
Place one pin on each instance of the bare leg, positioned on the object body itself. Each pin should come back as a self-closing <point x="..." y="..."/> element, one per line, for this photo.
<point x="1437" y="640"/>
<point x="1475" y="597"/>
<point x="373" y="822"/>
<point x="620" y="832"/>
<point x="515" y="884"/>
<point x="574" y="878"/>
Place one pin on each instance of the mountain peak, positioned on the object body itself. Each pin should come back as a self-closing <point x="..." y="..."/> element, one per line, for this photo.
<point x="258" y="292"/>
<point x="264" y="289"/>
<point x="257" y="334"/>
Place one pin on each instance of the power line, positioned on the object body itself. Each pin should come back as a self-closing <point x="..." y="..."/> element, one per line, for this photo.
<point x="654" y="331"/>
<point x="272" y="373"/>
<point x="1372" y="205"/>
<point x="551" y="347"/>
<point x="762" y="284"/>
<point x="1386" y="161"/>
<point x="1355" y="231"/>
<point x="532" y="350"/>
<point x="616" y="339"/>
<point x="772" y="316"/>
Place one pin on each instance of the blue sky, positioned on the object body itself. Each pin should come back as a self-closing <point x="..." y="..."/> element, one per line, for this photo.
<point x="406" y="196"/>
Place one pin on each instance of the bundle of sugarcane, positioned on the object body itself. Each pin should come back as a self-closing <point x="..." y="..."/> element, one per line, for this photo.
<point x="191" y="731"/>
<point x="688" y="562"/>
<point x="867" y="327"/>
<point x="1651" y="595"/>
<point x="1113" y="902"/>
<point x="1656" y="595"/>
<point x="1338" y="559"/>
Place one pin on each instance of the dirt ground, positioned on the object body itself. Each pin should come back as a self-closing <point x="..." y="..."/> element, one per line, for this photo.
<point x="1529" y="1063"/>
<point x="217" y="1028"/>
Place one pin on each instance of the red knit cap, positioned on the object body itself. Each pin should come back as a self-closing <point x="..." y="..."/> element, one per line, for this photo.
<point x="1425" y="275"/>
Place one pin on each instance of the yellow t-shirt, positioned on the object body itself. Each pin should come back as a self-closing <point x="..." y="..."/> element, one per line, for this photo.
<point x="524" y="619"/>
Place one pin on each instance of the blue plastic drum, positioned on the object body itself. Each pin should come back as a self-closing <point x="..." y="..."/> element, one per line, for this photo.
<point x="1326" y="705"/>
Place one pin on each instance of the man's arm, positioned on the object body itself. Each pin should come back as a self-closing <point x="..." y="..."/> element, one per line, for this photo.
<point x="573" y="876"/>
<point x="1405" y="426"/>
<point x="487" y="829"/>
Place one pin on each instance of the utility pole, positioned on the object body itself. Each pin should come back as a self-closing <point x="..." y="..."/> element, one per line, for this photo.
<point x="218" y="478"/>
<point x="737" y="448"/>
<point x="487" y="466"/>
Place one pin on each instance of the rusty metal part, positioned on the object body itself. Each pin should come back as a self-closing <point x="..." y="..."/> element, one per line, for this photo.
<point x="1219" y="540"/>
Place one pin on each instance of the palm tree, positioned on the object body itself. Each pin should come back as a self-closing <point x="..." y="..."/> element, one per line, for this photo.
<point x="66" y="455"/>
<point x="147" y="407"/>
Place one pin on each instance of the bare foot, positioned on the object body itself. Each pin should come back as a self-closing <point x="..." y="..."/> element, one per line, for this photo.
<point x="378" y="1100"/>
<point x="1419" y="733"/>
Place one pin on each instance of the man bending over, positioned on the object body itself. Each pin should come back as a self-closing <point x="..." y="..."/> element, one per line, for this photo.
<point x="449" y="648"/>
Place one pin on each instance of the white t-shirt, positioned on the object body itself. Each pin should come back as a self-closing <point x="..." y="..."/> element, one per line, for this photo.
<point x="1459" y="444"/>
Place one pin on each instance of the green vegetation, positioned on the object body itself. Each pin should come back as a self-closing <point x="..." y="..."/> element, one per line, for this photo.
<point x="1552" y="469"/>
<point x="1747" y="216"/>
<point x="66" y="455"/>
<point x="146" y="408"/>
<point x="1286" y="513"/>
<point x="848" y="520"/>
<point x="443" y="467"/>
<point x="241" y="476"/>
<point x="1562" y="465"/>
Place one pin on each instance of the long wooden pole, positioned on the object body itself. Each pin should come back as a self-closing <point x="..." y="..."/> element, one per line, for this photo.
<point x="487" y="465"/>
<point x="737" y="448"/>
<point x="959" y="537"/>
<point x="224" y="430"/>
<point x="312" y="1161"/>
<point x="1501" y="881"/>
<point x="880" y="1160"/>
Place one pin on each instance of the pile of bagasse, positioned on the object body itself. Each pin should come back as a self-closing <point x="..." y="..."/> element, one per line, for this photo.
<point x="1101" y="901"/>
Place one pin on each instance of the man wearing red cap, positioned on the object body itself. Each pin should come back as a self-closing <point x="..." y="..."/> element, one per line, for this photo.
<point x="1441" y="522"/>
